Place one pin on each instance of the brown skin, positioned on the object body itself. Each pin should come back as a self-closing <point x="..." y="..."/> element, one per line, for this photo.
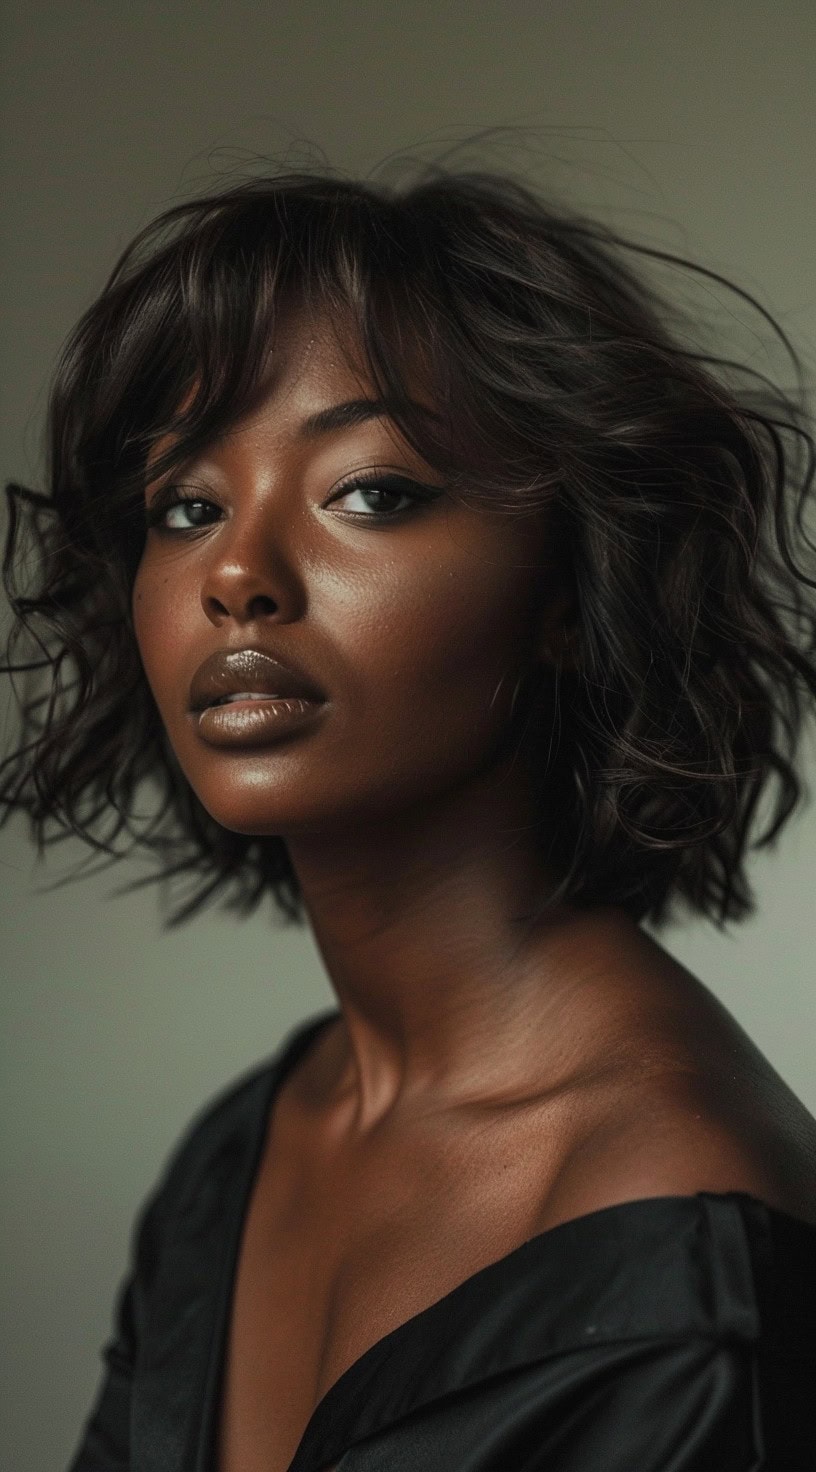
<point x="491" y="1075"/>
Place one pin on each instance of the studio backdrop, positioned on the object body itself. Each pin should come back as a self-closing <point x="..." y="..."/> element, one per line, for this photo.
<point x="687" y="125"/>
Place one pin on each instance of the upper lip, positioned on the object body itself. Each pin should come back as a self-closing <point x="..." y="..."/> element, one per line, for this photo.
<point x="231" y="671"/>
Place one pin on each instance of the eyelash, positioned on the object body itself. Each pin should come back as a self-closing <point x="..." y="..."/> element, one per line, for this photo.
<point x="171" y="495"/>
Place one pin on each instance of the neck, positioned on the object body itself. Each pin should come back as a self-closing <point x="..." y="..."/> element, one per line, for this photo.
<point x="450" y="981"/>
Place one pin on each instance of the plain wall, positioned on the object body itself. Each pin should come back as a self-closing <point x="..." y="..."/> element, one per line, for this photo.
<point x="691" y="122"/>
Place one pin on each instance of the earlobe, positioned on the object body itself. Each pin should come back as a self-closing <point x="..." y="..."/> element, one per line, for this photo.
<point x="560" y="654"/>
<point x="559" y="643"/>
<point x="567" y="648"/>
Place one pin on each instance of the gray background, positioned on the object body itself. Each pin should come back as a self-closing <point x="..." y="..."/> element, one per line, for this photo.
<point x="690" y="123"/>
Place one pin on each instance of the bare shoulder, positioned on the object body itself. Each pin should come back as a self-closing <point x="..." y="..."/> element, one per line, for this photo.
<point x="687" y="1103"/>
<point x="676" y="1136"/>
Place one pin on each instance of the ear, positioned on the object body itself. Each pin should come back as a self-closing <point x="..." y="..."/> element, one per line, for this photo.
<point x="558" y="638"/>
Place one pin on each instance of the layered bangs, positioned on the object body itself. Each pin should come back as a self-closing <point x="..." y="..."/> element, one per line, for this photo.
<point x="181" y="342"/>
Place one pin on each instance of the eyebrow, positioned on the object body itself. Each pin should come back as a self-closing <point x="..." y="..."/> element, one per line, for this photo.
<point x="355" y="411"/>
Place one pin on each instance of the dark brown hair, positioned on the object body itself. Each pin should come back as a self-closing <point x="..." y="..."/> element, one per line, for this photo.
<point x="679" y="484"/>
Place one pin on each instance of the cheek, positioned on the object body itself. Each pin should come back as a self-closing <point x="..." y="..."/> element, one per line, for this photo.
<point x="159" y="627"/>
<point x="140" y="608"/>
<point x="433" y="660"/>
<point x="426" y="649"/>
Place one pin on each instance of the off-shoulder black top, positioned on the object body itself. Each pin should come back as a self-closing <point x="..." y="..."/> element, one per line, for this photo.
<point x="661" y="1335"/>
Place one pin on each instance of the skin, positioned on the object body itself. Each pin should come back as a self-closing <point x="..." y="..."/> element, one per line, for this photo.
<point x="492" y="1073"/>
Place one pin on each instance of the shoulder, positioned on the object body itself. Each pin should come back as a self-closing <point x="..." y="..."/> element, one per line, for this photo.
<point x="683" y="1102"/>
<point x="670" y="1138"/>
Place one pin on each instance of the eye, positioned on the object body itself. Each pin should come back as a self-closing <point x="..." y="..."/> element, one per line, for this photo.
<point x="192" y="512"/>
<point x="176" y="498"/>
<point x="384" y="487"/>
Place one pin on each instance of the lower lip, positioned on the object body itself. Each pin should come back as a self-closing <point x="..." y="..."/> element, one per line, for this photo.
<point x="254" y="722"/>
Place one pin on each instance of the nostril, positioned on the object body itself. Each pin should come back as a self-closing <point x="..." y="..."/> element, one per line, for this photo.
<point x="263" y="604"/>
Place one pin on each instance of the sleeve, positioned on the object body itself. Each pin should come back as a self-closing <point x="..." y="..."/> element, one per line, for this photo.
<point x="218" y="1130"/>
<point x="689" y="1406"/>
<point x="105" y="1443"/>
<point x="685" y="1406"/>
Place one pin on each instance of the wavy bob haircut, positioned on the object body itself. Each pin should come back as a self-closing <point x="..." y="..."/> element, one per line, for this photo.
<point x="679" y="484"/>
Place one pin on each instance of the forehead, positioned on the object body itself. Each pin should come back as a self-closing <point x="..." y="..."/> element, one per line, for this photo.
<point x="315" y="362"/>
<point x="315" y="359"/>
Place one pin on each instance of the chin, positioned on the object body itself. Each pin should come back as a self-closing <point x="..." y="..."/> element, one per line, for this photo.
<point x="259" y="811"/>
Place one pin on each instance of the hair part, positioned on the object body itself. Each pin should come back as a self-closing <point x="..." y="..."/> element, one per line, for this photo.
<point x="678" y="485"/>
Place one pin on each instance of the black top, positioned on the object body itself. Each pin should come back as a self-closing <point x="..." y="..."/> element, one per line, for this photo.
<point x="675" y="1334"/>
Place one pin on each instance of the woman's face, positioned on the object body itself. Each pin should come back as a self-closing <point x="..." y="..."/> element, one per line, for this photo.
<point x="416" y="628"/>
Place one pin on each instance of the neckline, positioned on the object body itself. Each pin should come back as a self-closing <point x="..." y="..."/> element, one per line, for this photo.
<point x="269" y="1079"/>
<point x="323" y="1422"/>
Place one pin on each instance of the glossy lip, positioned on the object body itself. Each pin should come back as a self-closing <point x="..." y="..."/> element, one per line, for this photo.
<point x="254" y="722"/>
<point x="232" y="671"/>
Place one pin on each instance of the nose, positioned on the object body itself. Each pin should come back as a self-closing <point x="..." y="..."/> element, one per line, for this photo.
<point x="250" y="575"/>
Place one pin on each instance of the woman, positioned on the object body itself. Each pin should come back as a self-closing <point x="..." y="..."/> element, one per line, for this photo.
<point x="448" y="597"/>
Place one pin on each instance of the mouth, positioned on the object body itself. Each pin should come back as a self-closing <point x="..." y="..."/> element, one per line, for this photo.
<point x="249" y="718"/>
<point x="245" y="695"/>
<point x="241" y="676"/>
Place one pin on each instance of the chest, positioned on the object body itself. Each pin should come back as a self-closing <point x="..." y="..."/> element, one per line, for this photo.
<point x="327" y="1267"/>
<point x="276" y="1348"/>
